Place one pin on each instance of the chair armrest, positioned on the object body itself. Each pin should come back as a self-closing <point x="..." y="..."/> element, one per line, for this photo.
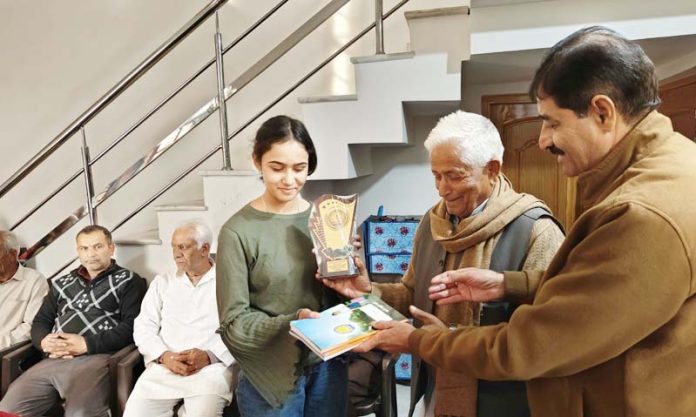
<point x="12" y="348"/>
<point x="115" y="404"/>
<point x="12" y="364"/>
<point x="127" y="371"/>
<point x="388" y="395"/>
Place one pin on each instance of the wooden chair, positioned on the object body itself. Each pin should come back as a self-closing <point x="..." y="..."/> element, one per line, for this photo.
<point x="22" y="358"/>
<point x="3" y="383"/>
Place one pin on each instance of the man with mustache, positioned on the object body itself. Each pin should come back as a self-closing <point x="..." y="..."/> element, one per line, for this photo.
<point x="480" y="221"/>
<point x="609" y="326"/>
<point x="86" y="315"/>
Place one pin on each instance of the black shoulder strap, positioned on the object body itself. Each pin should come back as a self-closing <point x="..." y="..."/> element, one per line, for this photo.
<point x="511" y="250"/>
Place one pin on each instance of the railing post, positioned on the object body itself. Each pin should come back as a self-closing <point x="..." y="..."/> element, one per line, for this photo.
<point x="379" y="28"/>
<point x="222" y="105"/>
<point x="89" y="185"/>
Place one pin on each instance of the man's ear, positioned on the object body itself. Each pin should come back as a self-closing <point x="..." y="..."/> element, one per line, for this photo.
<point x="493" y="169"/>
<point x="603" y="111"/>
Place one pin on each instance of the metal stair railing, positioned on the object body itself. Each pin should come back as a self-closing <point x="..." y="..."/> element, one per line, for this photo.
<point x="111" y="95"/>
<point x="22" y="172"/>
<point x="213" y="105"/>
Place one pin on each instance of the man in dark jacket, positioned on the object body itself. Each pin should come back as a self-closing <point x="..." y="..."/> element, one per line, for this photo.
<point x="86" y="315"/>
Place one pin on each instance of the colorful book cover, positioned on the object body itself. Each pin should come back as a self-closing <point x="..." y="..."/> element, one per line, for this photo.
<point x="343" y="326"/>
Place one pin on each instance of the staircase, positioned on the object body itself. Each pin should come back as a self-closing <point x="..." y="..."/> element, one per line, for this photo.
<point x="345" y="128"/>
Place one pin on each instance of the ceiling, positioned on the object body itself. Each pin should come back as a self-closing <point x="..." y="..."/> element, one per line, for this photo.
<point x="519" y="66"/>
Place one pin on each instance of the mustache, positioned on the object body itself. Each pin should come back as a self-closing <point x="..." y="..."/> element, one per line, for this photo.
<point x="554" y="150"/>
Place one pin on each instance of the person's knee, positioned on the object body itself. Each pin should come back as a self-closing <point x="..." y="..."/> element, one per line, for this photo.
<point x="28" y="398"/>
<point x="204" y="406"/>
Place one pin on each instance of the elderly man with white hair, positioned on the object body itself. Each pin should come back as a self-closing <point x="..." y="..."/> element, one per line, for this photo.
<point x="481" y="222"/>
<point x="176" y="333"/>
<point x="21" y="292"/>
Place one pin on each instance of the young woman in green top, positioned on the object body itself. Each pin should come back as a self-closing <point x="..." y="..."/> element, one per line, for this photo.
<point x="266" y="278"/>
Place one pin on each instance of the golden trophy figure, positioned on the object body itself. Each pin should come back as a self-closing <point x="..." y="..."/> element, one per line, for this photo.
<point x="332" y="225"/>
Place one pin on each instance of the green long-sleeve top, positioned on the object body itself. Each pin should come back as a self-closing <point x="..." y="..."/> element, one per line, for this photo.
<point x="265" y="274"/>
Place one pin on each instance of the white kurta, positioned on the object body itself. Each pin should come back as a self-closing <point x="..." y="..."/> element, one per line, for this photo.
<point x="20" y="298"/>
<point x="176" y="316"/>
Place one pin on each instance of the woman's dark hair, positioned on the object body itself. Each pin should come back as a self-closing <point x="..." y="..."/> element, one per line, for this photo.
<point x="281" y="129"/>
<point x="597" y="60"/>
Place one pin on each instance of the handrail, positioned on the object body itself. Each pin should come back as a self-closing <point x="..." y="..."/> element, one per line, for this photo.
<point x="207" y="156"/>
<point x="149" y="114"/>
<point x="184" y="128"/>
<point x="111" y="95"/>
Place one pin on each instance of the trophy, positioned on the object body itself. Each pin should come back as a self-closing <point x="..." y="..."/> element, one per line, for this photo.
<point x="331" y="226"/>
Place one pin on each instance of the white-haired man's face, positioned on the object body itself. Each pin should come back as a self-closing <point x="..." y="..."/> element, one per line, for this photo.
<point x="8" y="263"/>
<point x="462" y="187"/>
<point x="188" y="256"/>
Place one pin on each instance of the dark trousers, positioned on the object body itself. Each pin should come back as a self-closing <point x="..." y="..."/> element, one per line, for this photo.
<point x="82" y="382"/>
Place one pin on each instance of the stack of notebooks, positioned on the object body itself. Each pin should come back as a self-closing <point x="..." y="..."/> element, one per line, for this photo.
<point x="344" y="326"/>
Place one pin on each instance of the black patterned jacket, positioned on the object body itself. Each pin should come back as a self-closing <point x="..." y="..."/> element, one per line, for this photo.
<point x="101" y="310"/>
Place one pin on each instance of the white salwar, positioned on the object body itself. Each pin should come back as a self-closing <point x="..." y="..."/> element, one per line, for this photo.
<point x="176" y="316"/>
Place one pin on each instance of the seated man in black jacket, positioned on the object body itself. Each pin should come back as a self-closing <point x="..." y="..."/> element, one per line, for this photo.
<point x="86" y="315"/>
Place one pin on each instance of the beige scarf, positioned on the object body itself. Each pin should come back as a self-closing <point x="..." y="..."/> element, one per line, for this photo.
<point x="474" y="238"/>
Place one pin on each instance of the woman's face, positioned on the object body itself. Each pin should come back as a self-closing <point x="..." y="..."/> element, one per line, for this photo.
<point x="284" y="169"/>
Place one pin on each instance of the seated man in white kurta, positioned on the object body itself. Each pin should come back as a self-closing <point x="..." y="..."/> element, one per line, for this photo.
<point x="175" y="332"/>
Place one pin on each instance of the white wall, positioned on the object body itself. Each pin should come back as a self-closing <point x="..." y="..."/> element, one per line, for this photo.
<point x="59" y="57"/>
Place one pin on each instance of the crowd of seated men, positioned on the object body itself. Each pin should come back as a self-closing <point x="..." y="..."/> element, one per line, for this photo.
<point x="79" y="319"/>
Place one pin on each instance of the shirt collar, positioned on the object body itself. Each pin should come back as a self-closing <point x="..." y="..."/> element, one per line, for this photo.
<point x="82" y="272"/>
<point x="18" y="275"/>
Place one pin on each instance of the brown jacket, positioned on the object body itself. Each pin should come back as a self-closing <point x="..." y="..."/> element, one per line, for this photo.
<point x="612" y="327"/>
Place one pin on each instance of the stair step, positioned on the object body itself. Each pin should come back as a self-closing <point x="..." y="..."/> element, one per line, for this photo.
<point x="195" y="205"/>
<point x="327" y="99"/>
<point x="442" y="11"/>
<point x="382" y="57"/>
<point x="149" y="237"/>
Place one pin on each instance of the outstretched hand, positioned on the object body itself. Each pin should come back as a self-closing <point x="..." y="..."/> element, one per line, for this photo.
<point x="351" y="287"/>
<point x="392" y="337"/>
<point x="430" y="322"/>
<point x="467" y="284"/>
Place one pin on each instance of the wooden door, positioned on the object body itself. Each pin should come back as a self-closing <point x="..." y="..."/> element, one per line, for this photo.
<point x="530" y="169"/>
<point x="678" y="94"/>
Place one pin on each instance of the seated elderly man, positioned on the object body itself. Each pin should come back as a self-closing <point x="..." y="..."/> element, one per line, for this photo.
<point x="175" y="331"/>
<point x="21" y="292"/>
<point x="86" y="315"/>
<point x="479" y="222"/>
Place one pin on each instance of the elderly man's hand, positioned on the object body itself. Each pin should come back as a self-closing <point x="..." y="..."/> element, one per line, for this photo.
<point x="392" y="337"/>
<point x="196" y="359"/>
<point x="176" y="362"/>
<point x="351" y="287"/>
<point x="467" y="284"/>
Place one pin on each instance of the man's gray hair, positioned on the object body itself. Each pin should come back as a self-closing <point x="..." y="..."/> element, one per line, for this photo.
<point x="9" y="242"/>
<point x="202" y="233"/>
<point x="474" y="137"/>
